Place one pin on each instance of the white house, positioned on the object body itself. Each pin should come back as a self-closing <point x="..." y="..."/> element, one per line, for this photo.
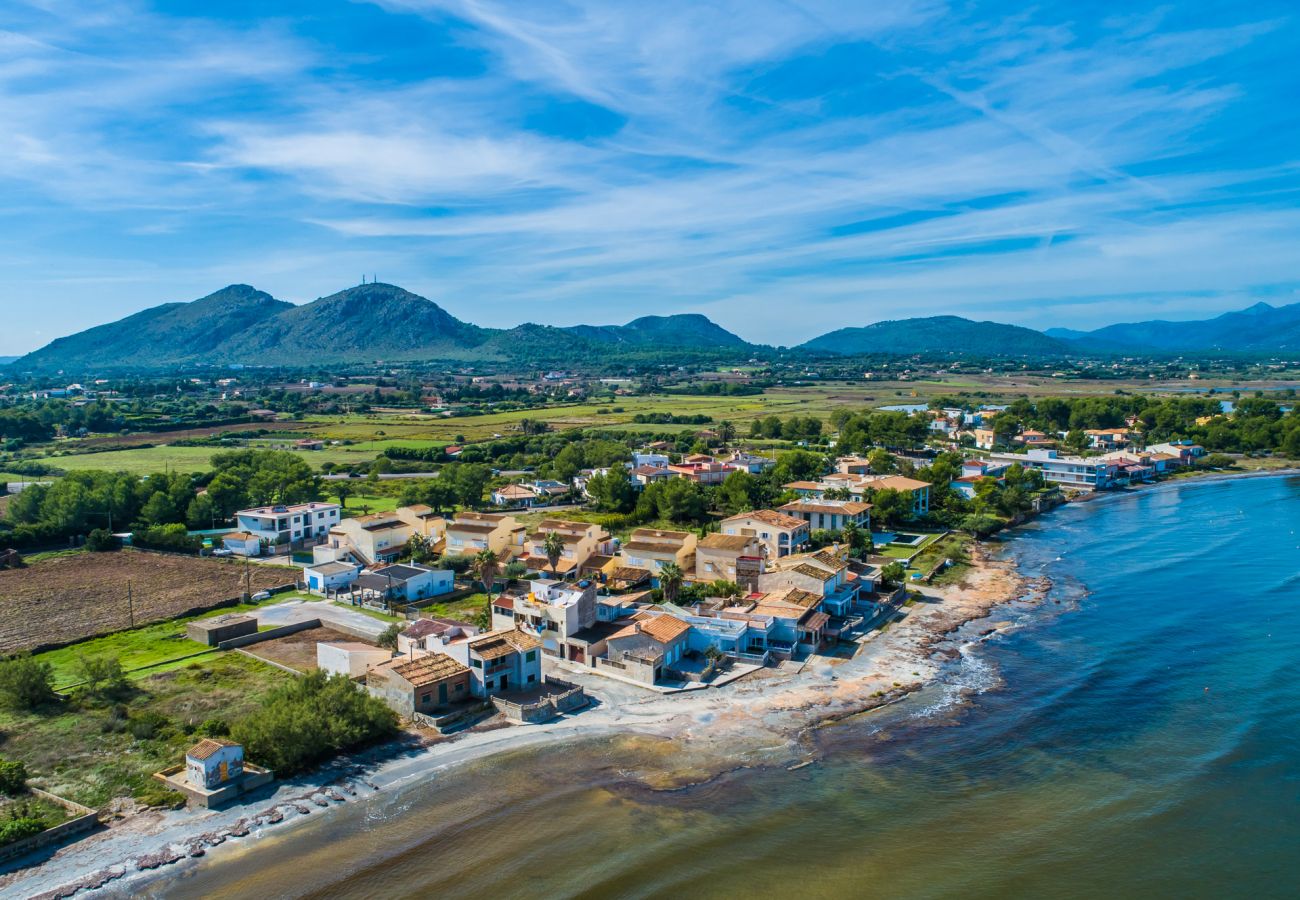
<point x="330" y="577"/>
<point x="212" y="762"/>
<point x="287" y="524"/>
<point x="655" y="460"/>
<point x="407" y="581"/>
<point x="243" y="543"/>
<point x="350" y="658"/>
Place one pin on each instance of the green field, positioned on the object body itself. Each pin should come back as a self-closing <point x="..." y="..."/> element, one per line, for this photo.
<point x="139" y="650"/>
<point x="369" y="434"/>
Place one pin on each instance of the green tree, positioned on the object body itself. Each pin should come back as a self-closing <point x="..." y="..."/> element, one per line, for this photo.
<point x="343" y="491"/>
<point x="894" y="573"/>
<point x="612" y="491"/>
<point x="740" y="492"/>
<point x="201" y="513"/>
<point x="855" y="537"/>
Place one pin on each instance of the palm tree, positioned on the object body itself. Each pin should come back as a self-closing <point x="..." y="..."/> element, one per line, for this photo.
<point x="726" y="431"/>
<point x="670" y="579"/>
<point x="553" y="547"/>
<point x="852" y="535"/>
<point x="485" y="569"/>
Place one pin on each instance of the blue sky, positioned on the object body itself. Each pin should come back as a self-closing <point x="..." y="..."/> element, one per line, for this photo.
<point x="786" y="168"/>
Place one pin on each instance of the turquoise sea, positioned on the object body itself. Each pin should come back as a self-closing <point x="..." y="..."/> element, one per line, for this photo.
<point x="1137" y="735"/>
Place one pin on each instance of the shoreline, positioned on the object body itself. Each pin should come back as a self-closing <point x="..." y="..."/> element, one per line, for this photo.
<point x="768" y="720"/>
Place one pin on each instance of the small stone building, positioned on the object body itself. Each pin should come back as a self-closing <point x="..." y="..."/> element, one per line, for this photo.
<point x="426" y="684"/>
<point x="213" y="631"/>
<point x="213" y="762"/>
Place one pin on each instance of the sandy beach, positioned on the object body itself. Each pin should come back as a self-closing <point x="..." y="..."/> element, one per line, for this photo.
<point x="760" y="719"/>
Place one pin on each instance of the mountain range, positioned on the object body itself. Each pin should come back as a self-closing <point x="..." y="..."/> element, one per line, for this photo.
<point x="1258" y="329"/>
<point x="382" y="322"/>
<point x="366" y="323"/>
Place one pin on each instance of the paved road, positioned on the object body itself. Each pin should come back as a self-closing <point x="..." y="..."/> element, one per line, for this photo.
<point x="383" y="476"/>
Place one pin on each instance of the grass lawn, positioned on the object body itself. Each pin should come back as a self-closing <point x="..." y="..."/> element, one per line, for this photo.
<point x="362" y="506"/>
<point x="466" y="609"/>
<point x="952" y="546"/>
<point x="92" y="750"/>
<point x="139" y="647"/>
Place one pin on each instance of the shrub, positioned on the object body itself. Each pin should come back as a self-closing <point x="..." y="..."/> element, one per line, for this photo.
<point x="894" y="573"/>
<point x="19" y="826"/>
<point x="25" y="683"/>
<point x="167" y="537"/>
<point x="215" y="727"/>
<point x="457" y="562"/>
<point x="13" y="777"/>
<point x="148" y="725"/>
<point x="102" y="676"/>
<point x="388" y="638"/>
<point x="159" y="796"/>
<point x="1216" y="461"/>
<point x="101" y="540"/>
<point x="309" y="720"/>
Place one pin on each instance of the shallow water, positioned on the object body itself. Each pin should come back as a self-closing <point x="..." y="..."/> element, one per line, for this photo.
<point x="1140" y="737"/>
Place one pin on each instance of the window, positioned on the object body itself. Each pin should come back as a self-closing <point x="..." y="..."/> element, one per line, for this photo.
<point x="424" y="698"/>
<point x="476" y="663"/>
<point x="532" y="678"/>
<point x="531" y="656"/>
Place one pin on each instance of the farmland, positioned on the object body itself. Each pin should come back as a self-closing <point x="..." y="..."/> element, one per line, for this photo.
<point x="362" y="436"/>
<point x="68" y="597"/>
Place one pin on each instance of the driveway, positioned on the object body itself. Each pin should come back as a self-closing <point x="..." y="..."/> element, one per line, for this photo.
<point x="293" y="611"/>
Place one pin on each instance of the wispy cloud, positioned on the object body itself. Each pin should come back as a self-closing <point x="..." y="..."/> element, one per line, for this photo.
<point x="785" y="166"/>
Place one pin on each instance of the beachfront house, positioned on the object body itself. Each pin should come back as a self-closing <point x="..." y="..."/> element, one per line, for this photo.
<point x="782" y="534"/>
<point x="829" y="515"/>
<point x="424" y="684"/>
<point x="213" y="762"/>
<point x="1075" y="472"/>
<point x="551" y="611"/>
<point x="498" y="661"/>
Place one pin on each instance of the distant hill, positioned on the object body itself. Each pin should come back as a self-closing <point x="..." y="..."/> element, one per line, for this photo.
<point x="363" y="323"/>
<point x="366" y="323"/>
<point x="938" y="334"/>
<point x="1258" y="329"/>
<point x="6" y="360"/>
<point x="685" y="330"/>
<point x="164" y="335"/>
